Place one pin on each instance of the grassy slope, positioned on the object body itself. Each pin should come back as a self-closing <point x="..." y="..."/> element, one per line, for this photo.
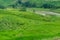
<point x="15" y="25"/>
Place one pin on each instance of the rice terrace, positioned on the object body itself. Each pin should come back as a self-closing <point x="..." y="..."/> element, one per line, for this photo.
<point x="29" y="19"/>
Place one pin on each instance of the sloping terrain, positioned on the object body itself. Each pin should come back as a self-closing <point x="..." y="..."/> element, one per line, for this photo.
<point x="19" y="25"/>
<point x="18" y="22"/>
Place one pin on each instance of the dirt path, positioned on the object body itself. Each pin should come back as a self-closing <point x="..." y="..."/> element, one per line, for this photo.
<point x="44" y="13"/>
<point x="54" y="38"/>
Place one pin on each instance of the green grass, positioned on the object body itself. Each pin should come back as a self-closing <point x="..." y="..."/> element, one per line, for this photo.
<point x="19" y="25"/>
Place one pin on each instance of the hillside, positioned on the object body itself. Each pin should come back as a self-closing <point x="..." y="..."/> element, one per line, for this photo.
<point x="15" y="25"/>
<point x="29" y="19"/>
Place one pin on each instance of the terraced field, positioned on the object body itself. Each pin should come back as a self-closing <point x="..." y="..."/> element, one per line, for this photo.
<point x="19" y="25"/>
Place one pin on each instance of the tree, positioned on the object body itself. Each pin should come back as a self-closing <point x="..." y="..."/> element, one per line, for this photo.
<point x="27" y="4"/>
<point x="19" y="1"/>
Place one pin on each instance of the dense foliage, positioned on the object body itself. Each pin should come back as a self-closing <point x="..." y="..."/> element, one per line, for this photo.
<point x="30" y="3"/>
